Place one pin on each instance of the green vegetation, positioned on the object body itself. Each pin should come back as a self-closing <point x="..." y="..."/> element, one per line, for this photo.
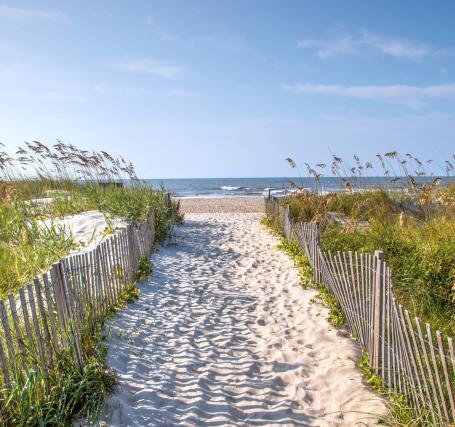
<point x="145" y="268"/>
<point x="45" y="183"/>
<point x="412" y="220"/>
<point x="58" y="396"/>
<point x="336" y="316"/>
<point x="418" y="242"/>
<point x="25" y="248"/>
<point x="65" y="181"/>
<point x="401" y="413"/>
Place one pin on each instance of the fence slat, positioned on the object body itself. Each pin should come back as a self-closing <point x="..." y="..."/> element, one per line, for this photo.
<point x="387" y="290"/>
<point x="4" y="365"/>
<point x="91" y="285"/>
<point x="57" y="291"/>
<point x="42" y="312"/>
<point x="38" y="337"/>
<point x="99" y="278"/>
<point x="408" y="361"/>
<point x="17" y="329"/>
<point x="396" y="351"/>
<point x="442" y="354"/>
<point x="50" y="311"/>
<point x="74" y="323"/>
<point x="28" y="328"/>
<point x="377" y="310"/>
<point x="436" y="371"/>
<point x="419" y="360"/>
<point x="8" y="336"/>
<point x="115" y="285"/>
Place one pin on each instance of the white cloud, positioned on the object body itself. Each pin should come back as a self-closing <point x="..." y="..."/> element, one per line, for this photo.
<point x="398" y="48"/>
<point x="154" y="67"/>
<point x="326" y="49"/>
<point x="368" y="42"/>
<point x="20" y="14"/>
<point x="183" y="93"/>
<point x="232" y="43"/>
<point x="411" y="96"/>
<point x="16" y="82"/>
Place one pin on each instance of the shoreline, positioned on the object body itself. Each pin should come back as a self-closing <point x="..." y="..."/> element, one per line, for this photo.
<point x="222" y="205"/>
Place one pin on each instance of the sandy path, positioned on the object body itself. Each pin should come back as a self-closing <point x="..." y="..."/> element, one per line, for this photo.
<point x="222" y="204"/>
<point x="223" y="335"/>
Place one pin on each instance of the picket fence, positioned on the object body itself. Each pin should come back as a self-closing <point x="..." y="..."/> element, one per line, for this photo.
<point x="411" y="359"/>
<point x="51" y="316"/>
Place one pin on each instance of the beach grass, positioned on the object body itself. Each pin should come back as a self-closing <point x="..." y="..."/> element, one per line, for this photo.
<point x="47" y="183"/>
<point x="400" y="412"/>
<point x="418" y="244"/>
<point x="38" y="186"/>
<point x="411" y="219"/>
<point x="62" y="394"/>
<point x="29" y="246"/>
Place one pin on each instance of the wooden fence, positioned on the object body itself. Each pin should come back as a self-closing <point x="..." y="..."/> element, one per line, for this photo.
<point x="50" y="316"/>
<point x="410" y="358"/>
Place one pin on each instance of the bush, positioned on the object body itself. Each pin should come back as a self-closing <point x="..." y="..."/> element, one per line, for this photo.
<point x="418" y="244"/>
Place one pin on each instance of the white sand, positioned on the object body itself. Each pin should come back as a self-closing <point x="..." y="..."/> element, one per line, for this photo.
<point x="224" y="335"/>
<point x="222" y="204"/>
<point x="87" y="228"/>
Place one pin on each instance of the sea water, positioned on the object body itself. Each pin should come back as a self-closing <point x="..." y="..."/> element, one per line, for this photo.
<point x="254" y="187"/>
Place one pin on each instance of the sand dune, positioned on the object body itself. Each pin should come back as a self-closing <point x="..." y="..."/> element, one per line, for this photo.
<point x="223" y="335"/>
<point x="86" y="228"/>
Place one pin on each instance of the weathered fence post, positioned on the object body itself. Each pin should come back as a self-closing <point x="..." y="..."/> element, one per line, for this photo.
<point x="68" y="303"/>
<point x="376" y="332"/>
<point x="317" y="245"/>
<point x="167" y="200"/>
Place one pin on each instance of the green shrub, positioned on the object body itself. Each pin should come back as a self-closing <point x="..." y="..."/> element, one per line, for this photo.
<point x="26" y="250"/>
<point x="418" y="244"/>
<point x="58" y="396"/>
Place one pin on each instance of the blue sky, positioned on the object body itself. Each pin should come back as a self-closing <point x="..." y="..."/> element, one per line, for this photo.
<point x="230" y="88"/>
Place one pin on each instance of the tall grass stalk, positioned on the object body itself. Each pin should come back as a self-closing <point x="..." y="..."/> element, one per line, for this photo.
<point x="42" y="183"/>
<point x="47" y="183"/>
<point x="412" y="220"/>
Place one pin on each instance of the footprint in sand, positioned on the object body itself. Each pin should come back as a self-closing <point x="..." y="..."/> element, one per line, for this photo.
<point x="218" y="343"/>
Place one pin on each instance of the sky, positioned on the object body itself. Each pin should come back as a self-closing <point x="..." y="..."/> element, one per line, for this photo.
<point x="230" y="88"/>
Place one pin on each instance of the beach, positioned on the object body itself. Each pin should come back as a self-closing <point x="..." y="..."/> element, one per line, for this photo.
<point x="87" y="229"/>
<point x="222" y="205"/>
<point x="223" y="334"/>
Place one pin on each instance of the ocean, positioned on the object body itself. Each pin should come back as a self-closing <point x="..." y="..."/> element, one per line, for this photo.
<point x="254" y="187"/>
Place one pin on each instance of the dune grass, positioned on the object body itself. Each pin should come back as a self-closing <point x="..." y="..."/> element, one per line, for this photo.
<point x="411" y="219"/>
<point x="64" y="393"/>
<point x="419" y="245"/>
<point x="28" y="247"/>
<point x="40" y="183"/>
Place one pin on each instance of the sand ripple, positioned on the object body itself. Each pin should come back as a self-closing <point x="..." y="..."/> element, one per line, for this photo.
<point x="223" y="335"/>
